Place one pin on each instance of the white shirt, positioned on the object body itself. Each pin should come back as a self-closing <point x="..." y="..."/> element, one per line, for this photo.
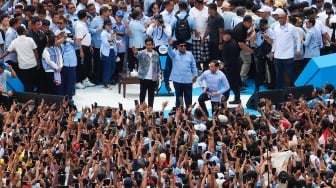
<point x="24" y="47"/>
<point x="285" y="37"/>
<point x="201" y="22"/>
<point x="149" y="75"/>
<point x="51" y="63"/>
<point x="82" y="32"/>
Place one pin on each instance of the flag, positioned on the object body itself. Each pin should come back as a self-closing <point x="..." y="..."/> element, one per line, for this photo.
<point x="323" y="137"/>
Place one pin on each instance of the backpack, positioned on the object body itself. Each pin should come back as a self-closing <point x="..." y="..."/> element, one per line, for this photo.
<point x="182" y="29"/>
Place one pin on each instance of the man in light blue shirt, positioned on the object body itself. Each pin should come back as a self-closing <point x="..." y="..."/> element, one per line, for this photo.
<point x="184" y="72"/>
<point x="135" y="32"/>
<point x="214" y="84"/>
<point x="11" y="34"/>
<point x="95" y="29"/>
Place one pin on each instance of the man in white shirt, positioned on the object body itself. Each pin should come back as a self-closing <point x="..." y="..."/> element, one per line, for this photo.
<point x="201" y="52"/>
<point x="283" y="49"/>
<point x="84" y="54"/>
<point x="26" y="50"/>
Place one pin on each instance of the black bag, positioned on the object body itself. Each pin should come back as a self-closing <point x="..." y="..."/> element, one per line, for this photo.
<point x="182" y="29"/>
<point x="263" y="50"/>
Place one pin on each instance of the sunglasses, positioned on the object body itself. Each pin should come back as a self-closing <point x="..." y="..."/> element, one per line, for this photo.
<point x="182" y="45"/>
<point x="60" y="22"/>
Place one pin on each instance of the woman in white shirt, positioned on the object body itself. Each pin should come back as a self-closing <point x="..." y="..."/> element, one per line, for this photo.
<point x="52" y="63"/>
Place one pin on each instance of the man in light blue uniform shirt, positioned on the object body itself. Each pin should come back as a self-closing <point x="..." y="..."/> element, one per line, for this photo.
<point x="184" y="72"/>
<point x="96" y="28"/>
<point x="214" y="84"/>
<point x="10" y="35"/>
<point x="135" y="32"/>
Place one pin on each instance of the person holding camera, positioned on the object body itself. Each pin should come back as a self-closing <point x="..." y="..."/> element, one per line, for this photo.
<point x="68" y="73"/>
<point x="264" y="39"/>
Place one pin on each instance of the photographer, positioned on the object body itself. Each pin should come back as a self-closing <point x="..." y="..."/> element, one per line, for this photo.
<point x="264" y="39"/>
<point x="68" y="73"/>
<point x="161" y="32"/>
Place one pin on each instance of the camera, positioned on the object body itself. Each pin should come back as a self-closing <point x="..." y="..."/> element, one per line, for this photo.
<point x="159" y="18"/>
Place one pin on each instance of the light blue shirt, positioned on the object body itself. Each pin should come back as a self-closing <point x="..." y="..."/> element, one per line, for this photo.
<point x="215" y="82"/>
<point x="191" y="23"/>
<point x="167" y="17"/>
<point x="96" y="23"/>
<point x="136" y="37"/>
<point x="184" y="66"/>
<point x="105" y="44"/>
<point x="68" y="51"/>
<point x="74" y="19"/>
<point x="259" y="40"/>
<point x="227" y="17"/>
<point x="120" y="28"/>
<point x="312" y="43"/>
<point x="53" y="27"/>
<point x="11" y="34"/>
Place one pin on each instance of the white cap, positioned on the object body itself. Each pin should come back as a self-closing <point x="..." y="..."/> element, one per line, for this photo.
<point x="200" y="127"/>
<point x="223" y="118"/>
<point x="265" y="9"/>
<point x="278" y="11"/>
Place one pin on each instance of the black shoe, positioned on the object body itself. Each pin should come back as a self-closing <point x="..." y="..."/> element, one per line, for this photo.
<point x="113" y="82"/>
<point x="235" y="102"/>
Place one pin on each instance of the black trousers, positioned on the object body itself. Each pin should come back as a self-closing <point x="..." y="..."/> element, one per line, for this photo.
<point x="132" y="61"/>
<point x="48" y="86"/>
<point x="97" y="66"/>
<point x="29" y="78"/>
<point x="233" y="75"/>
<point x="84" y="69"/>
<point x="260" y="71"/>
<point x="147" y="85"/>
<point x="201" y="101"/>
<point x="215" y="54"/>
<point x="119" y="66"/>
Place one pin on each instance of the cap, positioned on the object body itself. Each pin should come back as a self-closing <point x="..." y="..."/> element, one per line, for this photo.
<point x="59" y="32"/>
<point x="223" y="118"/>
<point x="2" y="65"/>
<point x="120" y="13"/>
<point x="226" y="5"/>
<point x="108" y="6"/>
<point x="107" y="22"/>
<point x="265" y="9"/>
<point x="278" y="11"/>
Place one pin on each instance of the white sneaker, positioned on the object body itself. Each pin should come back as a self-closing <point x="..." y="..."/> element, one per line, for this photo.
<point x="79" y="86"/>
<point x="87" y="83"/>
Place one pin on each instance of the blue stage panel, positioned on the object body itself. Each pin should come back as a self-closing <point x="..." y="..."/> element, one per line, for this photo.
<point x="319" y="71"/>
